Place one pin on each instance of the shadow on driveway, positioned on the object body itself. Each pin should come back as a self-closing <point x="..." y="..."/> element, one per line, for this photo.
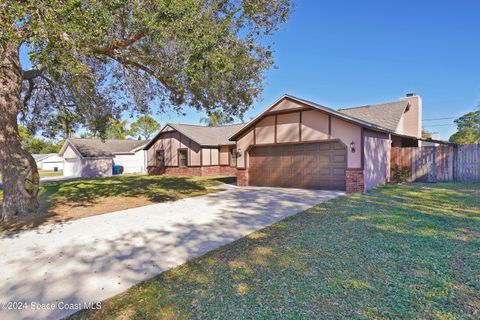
<point x="94" y="258"/>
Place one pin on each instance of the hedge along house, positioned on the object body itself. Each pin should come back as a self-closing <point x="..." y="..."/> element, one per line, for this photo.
<point x="182" y="149"/>
<point x="92" y="158"/>
<point x="301" y="144"/>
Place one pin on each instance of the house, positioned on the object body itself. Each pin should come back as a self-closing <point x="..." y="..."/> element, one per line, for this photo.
<point x="295" y="143"/>
<point x="90" y="158"/>
<point x="48" y="161"/>
<point x="299" y="143"/>
<point x="182" y="149"/>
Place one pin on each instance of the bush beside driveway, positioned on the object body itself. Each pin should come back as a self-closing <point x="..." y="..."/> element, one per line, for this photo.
<point x="409" y="251"/>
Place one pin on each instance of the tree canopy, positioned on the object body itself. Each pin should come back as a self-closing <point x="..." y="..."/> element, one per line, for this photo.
<point x="468" y="128"/>
<point x="144" y="127"/>
<point x="92" y="59"/>
<point x="37" y="145"/>
<point x="216" y="118"/>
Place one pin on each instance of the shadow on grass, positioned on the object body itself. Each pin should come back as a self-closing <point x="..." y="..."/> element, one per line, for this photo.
<point x="87" y="193"/>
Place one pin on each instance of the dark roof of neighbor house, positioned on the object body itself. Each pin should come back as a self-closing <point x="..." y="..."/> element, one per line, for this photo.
<point x="204" y="136"/>
<point x="343" y="114"/>
<point x="42" y="156"/>
<point x="93" y="148"/>
<point x="387" y="115"/>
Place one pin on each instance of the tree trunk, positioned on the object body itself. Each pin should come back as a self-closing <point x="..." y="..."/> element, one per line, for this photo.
<point x="18" y="168"/>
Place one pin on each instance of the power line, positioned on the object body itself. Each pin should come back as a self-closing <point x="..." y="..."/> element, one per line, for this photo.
<point x="434" y="119"/>
<point x="440" y="125"/>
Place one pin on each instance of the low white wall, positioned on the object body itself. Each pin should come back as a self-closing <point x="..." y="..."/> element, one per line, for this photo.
<point x="132" y="163"/>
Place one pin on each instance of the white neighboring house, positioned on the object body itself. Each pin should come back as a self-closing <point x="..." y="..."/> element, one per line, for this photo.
<point x="91" y="158"/>
<point x="49" y="161"/>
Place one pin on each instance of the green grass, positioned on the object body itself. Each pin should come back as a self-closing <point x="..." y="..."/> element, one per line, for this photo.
<point x="45" y="174"/>
<point x="155" y="188"/>
<point x="409" y="251"/>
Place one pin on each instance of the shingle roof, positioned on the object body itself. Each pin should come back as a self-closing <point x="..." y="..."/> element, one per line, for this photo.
<point x="387" y="115"/>
<point x="41" y="156"/>
<point x="207" y="136"/>
<point x="106" y="148"/>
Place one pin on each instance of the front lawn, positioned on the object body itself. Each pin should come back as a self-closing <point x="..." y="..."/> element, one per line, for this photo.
<point x="64" y="201"/>
<point x="45" y="174"/>
<point x="410" y="251"/>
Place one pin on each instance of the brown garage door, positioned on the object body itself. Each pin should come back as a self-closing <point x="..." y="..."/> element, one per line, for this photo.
<point x="309" y="165"/>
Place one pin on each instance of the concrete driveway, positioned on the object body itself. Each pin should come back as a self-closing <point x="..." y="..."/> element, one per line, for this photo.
<point x="54" y="270"/>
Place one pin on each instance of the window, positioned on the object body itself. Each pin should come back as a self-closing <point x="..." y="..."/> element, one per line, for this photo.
<point x="160" y="158"/>
<point x="183" y="157"/>
<point x="233" y="157"/>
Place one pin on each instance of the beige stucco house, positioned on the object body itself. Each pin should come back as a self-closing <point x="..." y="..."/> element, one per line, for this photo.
<point x="298" y="143"/>
<point x="295" y="143"/>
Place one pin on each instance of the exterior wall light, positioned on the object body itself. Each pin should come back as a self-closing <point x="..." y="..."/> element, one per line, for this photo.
<point x="352" y="146"/>
<point x="239" y="152"/>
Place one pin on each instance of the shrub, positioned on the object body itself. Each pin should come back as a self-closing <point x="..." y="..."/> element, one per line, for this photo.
<point x="400" y="174"/>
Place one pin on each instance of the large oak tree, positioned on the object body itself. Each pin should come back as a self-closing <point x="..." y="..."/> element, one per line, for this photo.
<point x="93" y="59"/>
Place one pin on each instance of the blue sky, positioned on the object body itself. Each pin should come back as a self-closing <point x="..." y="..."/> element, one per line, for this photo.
<point x="351" y="53"/>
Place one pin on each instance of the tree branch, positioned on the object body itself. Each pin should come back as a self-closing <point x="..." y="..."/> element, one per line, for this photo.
<point x="33" y="73"/>
<point x="28" y="94"/>
<point x="122" y="43"/>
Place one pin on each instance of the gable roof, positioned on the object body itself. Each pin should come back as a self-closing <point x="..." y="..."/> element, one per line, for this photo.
<point x="42" y="156"/>
<point x="93" y="148"/>
<point x="387" y="115"/>
<point x="204" y="136"/>
<point x="337" y="113"/>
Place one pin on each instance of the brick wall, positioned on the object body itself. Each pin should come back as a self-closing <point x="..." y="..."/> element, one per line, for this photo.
<point x="153" y="170"/>
<point x="194" y="171"/>
<point x="355" y="180"/>
<point x="242" y="178"/>
<point x="228" y="171"/>
<point x="183" y="171"/>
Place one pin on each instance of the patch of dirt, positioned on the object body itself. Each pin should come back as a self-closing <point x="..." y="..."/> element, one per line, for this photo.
<point x="100" y="206"/>
<point x="468" y="233"/>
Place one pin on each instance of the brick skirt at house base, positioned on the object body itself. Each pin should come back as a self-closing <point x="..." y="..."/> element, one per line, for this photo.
<point x="194" y="171"/>
<point x="355" y="180"/>
<point x="242" y="178"/>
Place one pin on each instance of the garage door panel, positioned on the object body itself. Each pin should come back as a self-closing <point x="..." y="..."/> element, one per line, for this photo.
<point x="312" y="165"/>
<point x="338" y="146"/>
<point x="310" y="161"/>
<point x="310" y="147"/>
<point x="324" y="158"/>
<point x="324" y="146"/>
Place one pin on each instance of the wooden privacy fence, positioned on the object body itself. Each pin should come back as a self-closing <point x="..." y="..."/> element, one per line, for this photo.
<point x="441" y="163"/>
